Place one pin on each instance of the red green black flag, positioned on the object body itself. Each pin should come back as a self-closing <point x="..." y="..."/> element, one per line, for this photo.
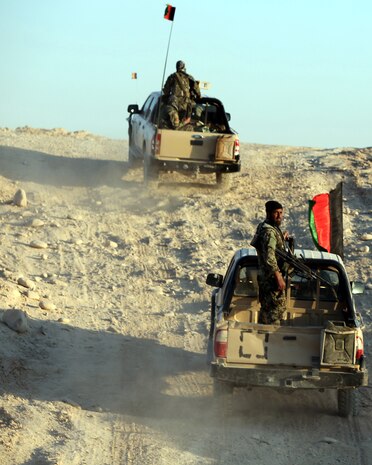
<point x="169" y="12"/>
<point x="325" y="221"/>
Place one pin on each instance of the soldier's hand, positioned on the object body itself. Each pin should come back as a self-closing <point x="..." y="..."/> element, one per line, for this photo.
<point x="280" y="281"/>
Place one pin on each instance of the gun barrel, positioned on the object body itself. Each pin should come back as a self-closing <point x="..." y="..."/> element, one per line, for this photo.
<point x="300" y="266"/>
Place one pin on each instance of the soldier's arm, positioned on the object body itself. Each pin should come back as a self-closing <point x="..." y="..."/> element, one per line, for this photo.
<point x="271" y="243"/>
<point x="272" y="261"/>
<point x="167" y="86"/>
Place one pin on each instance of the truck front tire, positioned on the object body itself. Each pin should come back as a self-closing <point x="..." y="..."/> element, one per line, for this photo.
<point x="132" y="160"/>
<point x="150" y="172"/>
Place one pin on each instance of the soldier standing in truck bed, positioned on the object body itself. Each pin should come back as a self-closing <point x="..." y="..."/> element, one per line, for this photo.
<point x="179" y="92"/>
<point x="267" y="239"/>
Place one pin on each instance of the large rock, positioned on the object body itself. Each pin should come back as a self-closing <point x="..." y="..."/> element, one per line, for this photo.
<point x="25" y="282"/>
<point x="46" y="304"/>
<point x="16" y="320"/>
<point x="20" y="198"/>
<point x="36" y="244"/>
<point x="36" y="223"/>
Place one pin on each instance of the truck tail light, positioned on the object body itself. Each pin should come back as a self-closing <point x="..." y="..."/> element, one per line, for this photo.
<point x="220" y="343"/>
<point x="236" y="148"/>
<point x="359" y="346"/>
<point x="156" y="144"/>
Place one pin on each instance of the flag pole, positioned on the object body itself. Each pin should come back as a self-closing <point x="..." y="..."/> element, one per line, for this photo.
<point x="169" y="14"/>
<point x="166" y="57"/>
<point x="134" y="78"/>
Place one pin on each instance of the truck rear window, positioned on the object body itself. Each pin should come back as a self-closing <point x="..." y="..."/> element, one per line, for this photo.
<point x="303" y="288"/>
<point x="208" y="117"/>
<point x="246" y="282"/>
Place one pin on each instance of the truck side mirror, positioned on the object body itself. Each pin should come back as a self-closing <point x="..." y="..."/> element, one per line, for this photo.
<point x="133" y="109"/>
<point x="228" y="116"/>
<point x="360" y="319"/>
<point x="214" y="279"/>
<point x="357" y="287"/>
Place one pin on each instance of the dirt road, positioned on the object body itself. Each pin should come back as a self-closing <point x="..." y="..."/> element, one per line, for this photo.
<point x="114" y="371"/>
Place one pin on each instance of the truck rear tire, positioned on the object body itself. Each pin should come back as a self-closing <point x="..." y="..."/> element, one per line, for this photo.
<point x="223" y="180"/>
<point x="223" y="398"/>
<point x="346" y="401"/>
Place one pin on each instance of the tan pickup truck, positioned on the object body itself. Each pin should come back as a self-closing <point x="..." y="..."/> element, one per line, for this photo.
<point x="319" y="344"/>
<point x="206" y="145"/>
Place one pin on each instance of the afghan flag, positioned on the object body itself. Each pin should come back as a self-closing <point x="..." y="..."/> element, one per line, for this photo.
<point x="325" y="221"/>
<point x="169" y="12"/>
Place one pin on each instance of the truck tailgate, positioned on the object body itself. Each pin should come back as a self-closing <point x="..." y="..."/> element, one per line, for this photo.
<point x="262" y="344"/>
<point x="188" y="145"/>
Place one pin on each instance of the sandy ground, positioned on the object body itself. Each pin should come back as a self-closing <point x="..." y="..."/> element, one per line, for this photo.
<point x="113" y="370"/>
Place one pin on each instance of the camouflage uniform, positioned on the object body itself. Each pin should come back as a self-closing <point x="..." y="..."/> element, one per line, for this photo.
<point x="179" y="90"/>
<point x="273" y="302"/>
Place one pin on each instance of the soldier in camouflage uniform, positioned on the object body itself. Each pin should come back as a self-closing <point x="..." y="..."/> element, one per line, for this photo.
<point x="179" y="92"/>
<point x="267" y="239"/>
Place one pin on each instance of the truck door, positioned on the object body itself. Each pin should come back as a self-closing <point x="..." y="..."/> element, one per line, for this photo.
<point x="139" y="128"/>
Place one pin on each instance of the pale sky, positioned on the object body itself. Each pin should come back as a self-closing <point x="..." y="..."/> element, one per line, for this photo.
<point x="289" y="72"/>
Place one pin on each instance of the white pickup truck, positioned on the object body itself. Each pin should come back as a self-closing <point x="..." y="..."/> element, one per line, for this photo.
<point x="206" y="145"/>
<point x="319" y="344"/>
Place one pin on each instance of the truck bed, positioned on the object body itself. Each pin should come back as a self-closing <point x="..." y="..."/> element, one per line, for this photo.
<point x="265" y="344"/>
<point x="195" y="146"/>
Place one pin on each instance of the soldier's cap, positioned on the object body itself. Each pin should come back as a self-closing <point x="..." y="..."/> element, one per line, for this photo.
<point x="180" y="65"/>
<point x="272" y="205"/>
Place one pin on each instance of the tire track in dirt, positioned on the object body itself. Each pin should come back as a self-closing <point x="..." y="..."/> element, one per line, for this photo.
<point x="360" y="430"/>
